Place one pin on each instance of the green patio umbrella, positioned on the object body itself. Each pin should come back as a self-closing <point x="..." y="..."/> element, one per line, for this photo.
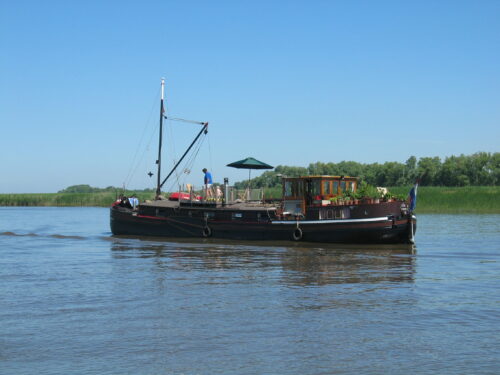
<point x="249" y="163"/>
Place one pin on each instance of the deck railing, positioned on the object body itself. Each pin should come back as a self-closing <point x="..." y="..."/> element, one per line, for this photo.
<point x="216" y="194"/>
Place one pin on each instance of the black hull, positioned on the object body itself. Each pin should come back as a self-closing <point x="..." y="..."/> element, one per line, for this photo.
<point x="372" y="230"/>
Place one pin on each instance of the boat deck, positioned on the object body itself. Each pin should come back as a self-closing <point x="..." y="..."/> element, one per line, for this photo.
<point x="239" y="206"/>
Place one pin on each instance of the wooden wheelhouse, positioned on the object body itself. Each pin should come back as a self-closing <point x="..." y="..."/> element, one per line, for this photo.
<point x="300" y="193"/>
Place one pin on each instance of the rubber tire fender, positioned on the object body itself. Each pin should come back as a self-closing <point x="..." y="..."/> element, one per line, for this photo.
<point x="297" y="234"/>
<point x="207" y="232"/>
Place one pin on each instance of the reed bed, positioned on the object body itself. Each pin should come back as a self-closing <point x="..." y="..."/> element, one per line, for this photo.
<point x="102" y="199"/>
<point x="455" y="200"/>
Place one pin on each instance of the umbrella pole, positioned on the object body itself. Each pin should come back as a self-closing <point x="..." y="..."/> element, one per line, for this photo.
<point x="248" y="187"/>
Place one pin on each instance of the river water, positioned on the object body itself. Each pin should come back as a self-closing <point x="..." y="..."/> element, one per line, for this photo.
<point x="76" y="300"/>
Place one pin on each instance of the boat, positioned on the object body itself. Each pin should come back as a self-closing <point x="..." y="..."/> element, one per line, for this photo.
<point x="312" y="208"/>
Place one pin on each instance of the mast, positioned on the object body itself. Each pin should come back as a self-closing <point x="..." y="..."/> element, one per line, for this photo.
<point x="158" y="161"/>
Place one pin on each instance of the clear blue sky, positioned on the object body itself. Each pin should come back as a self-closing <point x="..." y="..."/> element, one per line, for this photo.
<point x="287" y="82"/>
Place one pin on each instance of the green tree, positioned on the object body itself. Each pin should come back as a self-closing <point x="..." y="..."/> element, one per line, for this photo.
<point x="481" y="168"/>
<point x="79" y="189"/>
<point x="411" y="172"/>
<point x="428" y="169"/>
<point x="478" y="171"/>
<point x="493" y="168"/>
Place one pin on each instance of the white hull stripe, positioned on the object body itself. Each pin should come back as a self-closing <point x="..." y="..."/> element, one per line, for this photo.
<point x="337" y="221"/>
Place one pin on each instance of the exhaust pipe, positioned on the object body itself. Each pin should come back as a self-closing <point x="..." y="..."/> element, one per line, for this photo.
<point x="226" y="191"/>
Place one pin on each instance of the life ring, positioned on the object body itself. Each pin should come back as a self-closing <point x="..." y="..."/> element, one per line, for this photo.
<point x="297" y="234"/>
<point x="207" y="232"/>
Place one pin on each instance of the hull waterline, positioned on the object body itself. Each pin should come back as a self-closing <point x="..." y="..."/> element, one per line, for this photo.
<point x="371" y="230"/>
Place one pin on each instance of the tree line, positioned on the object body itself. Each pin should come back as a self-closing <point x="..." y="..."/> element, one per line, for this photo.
<point x="479" y="169"/>
<point x="83" y="188"/>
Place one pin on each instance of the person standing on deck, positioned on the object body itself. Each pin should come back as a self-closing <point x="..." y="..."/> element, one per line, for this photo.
<point x="207" y="180"/>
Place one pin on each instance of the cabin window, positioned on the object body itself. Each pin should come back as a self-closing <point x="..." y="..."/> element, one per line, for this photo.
<point x="335" y="187"/>
<point x="342" y="186"/>
<point x="297" y="189"/>
<point x="326" y="188"/>
<point x="315" y="187"/>
<point x="288" y="188"/>
<point x="237" y="216"/>
<point x="294" y="188"/>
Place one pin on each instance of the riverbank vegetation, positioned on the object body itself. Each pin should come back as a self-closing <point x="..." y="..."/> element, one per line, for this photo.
<point x="430" y="199"/>
<point x="455" y="200"/>
<point x="457" y="184"/>
<point x="97" y="199"/>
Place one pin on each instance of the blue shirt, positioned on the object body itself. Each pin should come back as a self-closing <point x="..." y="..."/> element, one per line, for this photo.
<point x="208" y="178"/>
<point x="134" y="202"/>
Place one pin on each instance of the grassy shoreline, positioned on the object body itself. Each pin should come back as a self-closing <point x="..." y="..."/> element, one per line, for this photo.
<point x="456" y="200"/>
<point x="101" y="199"/>
<point x="431" y="199"/>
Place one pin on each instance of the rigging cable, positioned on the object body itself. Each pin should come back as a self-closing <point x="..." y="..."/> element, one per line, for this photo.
<point x="177" y="175"/>
<point x="171" y="137"/>
<point x="209" y="154"/>
<point x="169" y="128"/>
<point x="184" y="120"/>
<point x="191" y="160"/>
<point x="133" y="165"/>
<point x="188" y="164"/>
<point x="173" y="152"/>
<point x="146" y="150"/>
<point x="139" y="157"/>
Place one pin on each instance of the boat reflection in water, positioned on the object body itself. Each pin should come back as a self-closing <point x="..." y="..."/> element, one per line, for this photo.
<point x="350" y="264"/>
<point x="289" y="264"/>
